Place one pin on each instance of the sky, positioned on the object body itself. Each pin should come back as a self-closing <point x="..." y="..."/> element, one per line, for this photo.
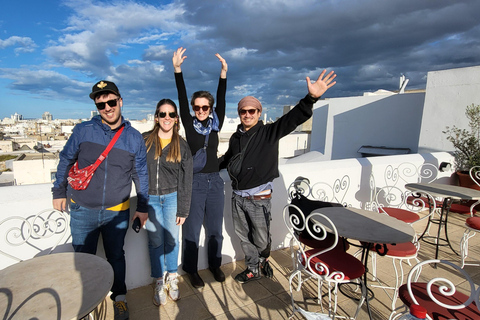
<point x="52" y="52"/>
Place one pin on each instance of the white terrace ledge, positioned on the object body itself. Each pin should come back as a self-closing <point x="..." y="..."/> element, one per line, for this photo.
<point x="350" y="181"/>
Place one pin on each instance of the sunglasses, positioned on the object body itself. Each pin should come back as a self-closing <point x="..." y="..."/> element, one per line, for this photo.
<point x="204" y="108"/>
<point x="164" y="114"/>
<point x="111" y="104"/>
<point x="250" y="111"/>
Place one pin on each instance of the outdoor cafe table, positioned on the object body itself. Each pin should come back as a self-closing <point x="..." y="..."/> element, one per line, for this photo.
<point x="57" y="286"/>
<point x="368" y="227"/>
<point x="448" y="193"/>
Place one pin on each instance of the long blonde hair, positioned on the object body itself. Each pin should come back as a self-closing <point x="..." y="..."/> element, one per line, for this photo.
<point x="174" y="155"/>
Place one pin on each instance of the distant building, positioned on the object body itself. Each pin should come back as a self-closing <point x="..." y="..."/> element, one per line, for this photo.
<point x="47" y="116"/>
<point x="17" y="117"/>
<point x="35" y="168"/>
<point x="93" y="113"/>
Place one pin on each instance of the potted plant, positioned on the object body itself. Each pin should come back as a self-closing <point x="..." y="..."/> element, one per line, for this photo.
<point x="467" y="145"/>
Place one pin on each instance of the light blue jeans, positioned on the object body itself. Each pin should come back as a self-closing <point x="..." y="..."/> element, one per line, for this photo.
<point x="163" y="234"/>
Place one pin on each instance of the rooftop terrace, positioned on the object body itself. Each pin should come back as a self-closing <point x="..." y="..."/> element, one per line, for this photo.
<point x="270" y="299"/>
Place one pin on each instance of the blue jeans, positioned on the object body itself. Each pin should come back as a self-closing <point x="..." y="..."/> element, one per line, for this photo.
<point x="86" y="225"/>
<point x="251" y="219"/>
<point x="163" y="240"/>
<point x="208" y="198"/>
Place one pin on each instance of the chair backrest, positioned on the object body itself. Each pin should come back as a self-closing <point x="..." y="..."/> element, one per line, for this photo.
<point x="26" y="237"/>
<point x="475" y="174"/>
<point x="446" y="287"/>
<point x="322" y="191"/>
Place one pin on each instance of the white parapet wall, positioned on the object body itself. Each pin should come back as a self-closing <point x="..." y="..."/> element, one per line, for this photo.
<point x="350" y="176"/>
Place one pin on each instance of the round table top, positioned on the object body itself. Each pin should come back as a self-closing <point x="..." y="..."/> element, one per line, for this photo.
<point x="368" y="226"/>
<point x="445" y="191"/>
<point x="56" y="286"/>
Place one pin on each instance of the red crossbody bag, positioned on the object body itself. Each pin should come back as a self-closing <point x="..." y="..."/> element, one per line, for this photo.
<point x="79" y="179"/>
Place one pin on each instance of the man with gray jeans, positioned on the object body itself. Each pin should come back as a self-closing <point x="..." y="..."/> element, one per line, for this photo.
<point x="252" y="163"/>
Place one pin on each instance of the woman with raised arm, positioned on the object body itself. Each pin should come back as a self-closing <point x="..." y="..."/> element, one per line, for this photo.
<point x="208" y="187"/>
<point x="170" y="174"/>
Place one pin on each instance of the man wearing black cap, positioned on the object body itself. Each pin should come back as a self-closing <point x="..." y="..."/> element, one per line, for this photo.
<point x="252" y="172"/>
<point x="104" y="206"/>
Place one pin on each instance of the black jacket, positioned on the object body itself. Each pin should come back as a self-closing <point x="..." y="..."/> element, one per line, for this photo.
<point x="260" y="162"/>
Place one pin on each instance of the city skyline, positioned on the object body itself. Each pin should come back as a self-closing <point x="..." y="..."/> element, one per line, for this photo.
<point x="52" y="52"/>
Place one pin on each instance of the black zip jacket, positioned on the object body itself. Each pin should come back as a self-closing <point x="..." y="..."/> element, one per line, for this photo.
<point x="260" y="162"/>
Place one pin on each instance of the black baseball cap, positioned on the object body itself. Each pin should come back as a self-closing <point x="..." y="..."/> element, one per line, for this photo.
<point x="104" y="86"/>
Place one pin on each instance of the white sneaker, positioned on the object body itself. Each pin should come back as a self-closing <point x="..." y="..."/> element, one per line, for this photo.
<point x="159" y="296"/>
<point x="172" y="287"/>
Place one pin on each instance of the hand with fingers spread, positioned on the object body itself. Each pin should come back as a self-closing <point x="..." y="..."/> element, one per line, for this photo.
<point x="319" y="87"/>
<point x="223" y="72"/>
<point x="178" y="59"/>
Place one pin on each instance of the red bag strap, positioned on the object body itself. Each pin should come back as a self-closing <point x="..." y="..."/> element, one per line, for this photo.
<point x="109" y="147"/>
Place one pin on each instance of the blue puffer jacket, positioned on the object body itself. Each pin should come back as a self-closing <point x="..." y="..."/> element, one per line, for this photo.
<point x="111" y="184"/>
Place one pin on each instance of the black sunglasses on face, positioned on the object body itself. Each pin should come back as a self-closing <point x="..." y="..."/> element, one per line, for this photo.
<point x="164" y="114"/>
<point x="250" y="111"/>
<point x="204" y="108"/>
<point x="111" y="104"/>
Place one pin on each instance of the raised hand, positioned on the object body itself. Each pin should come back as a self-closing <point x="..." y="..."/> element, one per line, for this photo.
<point x="223" y="72"/>
<point x="178" y="59"/>
<point x="319" y="87"/>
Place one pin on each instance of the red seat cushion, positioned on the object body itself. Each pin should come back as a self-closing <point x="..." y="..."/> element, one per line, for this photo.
<point x="323" y="244"/>
<point x="461" y="208"/>
<point x="406" y="249"/>
<point x="401" y="214"/>
<point x="336" y="260"/>
<point x="473" y="222"/>
<point x="435" y="311"/>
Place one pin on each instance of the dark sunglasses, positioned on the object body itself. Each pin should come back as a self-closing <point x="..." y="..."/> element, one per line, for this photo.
<point x="250" y="111"/>
<point x="111" y="104"/>
<point x="164" y="114"/>
<point x="204" y="108"/>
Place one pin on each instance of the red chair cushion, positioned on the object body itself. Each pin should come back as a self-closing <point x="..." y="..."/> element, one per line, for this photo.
<point x="473" y="222"/>
<point x="461" y="208"/>
<point x="336" y="260"/>
<point x="411" y="200"/>
<point x="323" y="244"/>
<point x="435" y="311"/>
<point x="406" y="249"/>
<point x="401" y="214"/>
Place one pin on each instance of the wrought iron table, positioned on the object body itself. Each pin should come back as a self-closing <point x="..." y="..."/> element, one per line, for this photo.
<point x="369" y="227"/>
<point x="56" y="286"/>
<point x="448" y="193"/>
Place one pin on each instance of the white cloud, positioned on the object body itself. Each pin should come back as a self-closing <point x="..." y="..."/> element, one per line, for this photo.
<point x="23" y="44"/>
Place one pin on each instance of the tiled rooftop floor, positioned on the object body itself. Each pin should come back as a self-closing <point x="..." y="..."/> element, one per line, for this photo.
<point x="270" y="299"/>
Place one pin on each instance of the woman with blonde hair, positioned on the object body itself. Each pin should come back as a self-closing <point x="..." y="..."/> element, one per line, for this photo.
<point x="170" y="171"/>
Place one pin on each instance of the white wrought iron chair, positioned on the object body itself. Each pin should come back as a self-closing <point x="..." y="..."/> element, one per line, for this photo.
<point x="449" y="294"/>
<point x="472" y="224"/>
<point x="329" y="265"/>
<point x="407" y="207"/>
<point x="38" y="234"/>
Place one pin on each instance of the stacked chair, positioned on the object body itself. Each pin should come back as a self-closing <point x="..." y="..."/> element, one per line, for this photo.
<point x="472" y="224"/>
<point x="404" y="206"/>
<point x="317" y="251"/>
<point x="452" y="294"/>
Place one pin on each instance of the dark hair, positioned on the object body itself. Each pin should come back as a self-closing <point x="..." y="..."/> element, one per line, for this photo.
<point x="203" y="94"/>
<point x="174" y="155"/>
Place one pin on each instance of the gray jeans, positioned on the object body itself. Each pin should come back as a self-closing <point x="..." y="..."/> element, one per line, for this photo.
<point x="251" y="219"/>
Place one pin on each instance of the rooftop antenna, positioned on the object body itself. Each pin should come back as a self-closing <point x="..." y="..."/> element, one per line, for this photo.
<point x="403" y="84"/>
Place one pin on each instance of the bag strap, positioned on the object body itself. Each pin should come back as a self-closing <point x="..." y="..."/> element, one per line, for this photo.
<point x="108" y="148"/>
<point x="205" y="144"/>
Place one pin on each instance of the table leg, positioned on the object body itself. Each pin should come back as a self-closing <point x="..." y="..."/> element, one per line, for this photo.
<point x="442" y="223"/>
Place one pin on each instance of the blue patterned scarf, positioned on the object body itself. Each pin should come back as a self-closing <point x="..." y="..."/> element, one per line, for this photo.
<point x="212" y="124"/>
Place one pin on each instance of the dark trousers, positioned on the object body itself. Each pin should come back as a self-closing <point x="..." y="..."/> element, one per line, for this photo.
<point x="251" y="219"/>
<point x="208" y="198"/>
